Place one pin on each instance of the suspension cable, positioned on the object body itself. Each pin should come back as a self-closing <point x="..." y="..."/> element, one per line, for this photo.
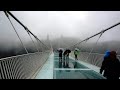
<point x="82" y="48"/>
<point x="98" y="33"/>
<point x="16" y="32"/>
<point x="50" y="44"/>
<point x="24" y="27"/>
<point x="81" y="45"/>
<point x="117" y="50"/>
<point x="40" y="45"/>
<point x="33" y="41"/>
<point x="94" y="46"/>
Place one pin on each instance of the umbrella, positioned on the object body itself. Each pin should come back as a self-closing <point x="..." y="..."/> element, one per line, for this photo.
<point x="61" y="49"/>
<point x="69" y="51"/>
<point x="77" y="49"/>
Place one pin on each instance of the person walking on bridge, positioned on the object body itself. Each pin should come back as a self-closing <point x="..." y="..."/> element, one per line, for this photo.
<point x="107" y="54"/>
<point x="66" y="58"/>
<point x="60" y="51"/>
<point x="111" y="66"/>
<point x="76" y="52"/>
<point x="60" y="55"/>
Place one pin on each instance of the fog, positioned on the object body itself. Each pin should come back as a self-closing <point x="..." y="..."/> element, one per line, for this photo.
<point x="80" y="24"/>
<point x="64" y="28"/>
<point x="67" y="23"/>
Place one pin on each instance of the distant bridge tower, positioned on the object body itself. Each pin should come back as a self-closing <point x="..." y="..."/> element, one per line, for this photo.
<point x="47" y="37"/>
<point x="61" y="41"/>
<point x="48" y="41"/>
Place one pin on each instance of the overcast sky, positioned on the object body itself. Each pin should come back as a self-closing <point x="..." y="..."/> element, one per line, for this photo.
<point x="67" y="23"/>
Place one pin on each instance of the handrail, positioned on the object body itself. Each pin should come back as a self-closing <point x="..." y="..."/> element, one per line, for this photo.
<point x="20" y="55"/>
<point x="96" y="53"/>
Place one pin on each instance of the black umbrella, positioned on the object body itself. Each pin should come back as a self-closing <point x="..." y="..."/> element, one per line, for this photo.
<point x="69" y="51"/>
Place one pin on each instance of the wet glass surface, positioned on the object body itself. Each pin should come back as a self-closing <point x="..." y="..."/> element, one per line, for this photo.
<point x="76" y="74"/>
<point x="74" y="70"/>
<point x="72" y="63"/>
<point x="57" y="64"/>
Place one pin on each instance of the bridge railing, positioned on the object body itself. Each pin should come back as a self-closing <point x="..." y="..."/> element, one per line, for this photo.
<point x="22" y="66"/>
<point x="92" y="49"/>
<point x="94" y="59"/>
<point x="21" y="52"/>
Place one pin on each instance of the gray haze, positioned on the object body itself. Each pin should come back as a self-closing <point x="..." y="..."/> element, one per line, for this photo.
<point x="77" y="24"/>
<point x="64" y="28"/>
<point x="67" y="23"/>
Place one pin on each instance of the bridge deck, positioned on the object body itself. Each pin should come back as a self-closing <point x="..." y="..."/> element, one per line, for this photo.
<point x="54" y="70"/>
<point x="47" y="70"/>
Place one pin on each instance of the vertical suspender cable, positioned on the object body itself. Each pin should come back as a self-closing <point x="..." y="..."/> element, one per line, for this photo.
<point x="50" y="44"/>
<point x="94" y="46"/>
<point x="40" y="45"/>
<point x="117" y="50"/>
<point x="16" y="32"/>
<point x="99" y="32"/>
<point x="24" y="26"/>
<point x="82" y="47"/>
<point x="33" y="41"/>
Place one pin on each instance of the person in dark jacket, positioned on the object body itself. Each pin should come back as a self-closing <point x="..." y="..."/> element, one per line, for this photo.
<point x="107" y="54"/>
<point x="60" y="55"/>
<point x="66" y="58"/>
<point x="111" y="66"/>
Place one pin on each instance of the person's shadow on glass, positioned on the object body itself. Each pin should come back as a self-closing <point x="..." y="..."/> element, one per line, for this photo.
<point x="60" y="65"/>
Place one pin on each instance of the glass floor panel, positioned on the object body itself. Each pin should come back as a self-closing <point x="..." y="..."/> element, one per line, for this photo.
<point x="75" y="70"/>
<point x="77" y="74"/>
<point x="71" y="65"/>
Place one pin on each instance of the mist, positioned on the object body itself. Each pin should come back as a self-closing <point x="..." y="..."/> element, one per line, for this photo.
<point x="67" y="23"/>
<point x="64" y="28"/>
